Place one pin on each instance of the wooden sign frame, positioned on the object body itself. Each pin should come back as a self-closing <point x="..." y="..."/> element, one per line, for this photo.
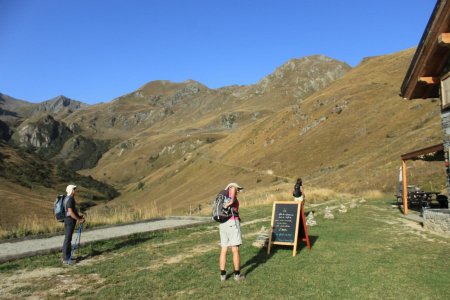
<point x="300" y="223"/>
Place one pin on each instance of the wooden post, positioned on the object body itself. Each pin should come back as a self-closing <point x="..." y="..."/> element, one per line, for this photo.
<point x="299" y="205"/>
<point x="271" y="230"/>
<point x="405" y="188"/>
<point x="305" y="227"/>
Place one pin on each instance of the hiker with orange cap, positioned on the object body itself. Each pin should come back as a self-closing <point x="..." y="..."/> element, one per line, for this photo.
<point x="230" y="233"/>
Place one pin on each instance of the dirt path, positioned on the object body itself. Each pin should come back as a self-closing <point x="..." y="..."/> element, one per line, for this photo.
<point x="31" y="247"/>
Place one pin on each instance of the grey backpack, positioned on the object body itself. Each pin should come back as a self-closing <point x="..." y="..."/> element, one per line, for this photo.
<point x="219" y="213"/>
<point x="59" y="208"/>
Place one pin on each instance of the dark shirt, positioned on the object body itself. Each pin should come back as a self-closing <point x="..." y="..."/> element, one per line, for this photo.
<point x="70" y="203"/>
<point x="297" y="190"/>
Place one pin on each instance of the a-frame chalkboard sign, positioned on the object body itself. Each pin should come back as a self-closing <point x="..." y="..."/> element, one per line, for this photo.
<point x="288" y="225"/>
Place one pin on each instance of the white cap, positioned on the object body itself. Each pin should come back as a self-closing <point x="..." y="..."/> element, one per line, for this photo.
<point x="70" y="188"/>
<point x="233" y="184"/>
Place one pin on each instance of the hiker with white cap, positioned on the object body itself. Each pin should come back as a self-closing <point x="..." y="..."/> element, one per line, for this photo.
<point x="230" y="233"/>
<point x="70" y="221"/>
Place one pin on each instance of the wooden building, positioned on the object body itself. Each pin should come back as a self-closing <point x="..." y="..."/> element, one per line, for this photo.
<point x="428" y="75"/>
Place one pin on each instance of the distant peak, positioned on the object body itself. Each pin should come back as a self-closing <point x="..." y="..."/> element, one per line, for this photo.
<point x="168" y="82"/>
<point x="319" y="58"/>
<point x="59" y="98"/>
<point x="191" y="81"/>
<point x="166" y="87"/>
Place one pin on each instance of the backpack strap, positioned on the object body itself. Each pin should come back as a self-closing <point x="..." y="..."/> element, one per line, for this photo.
<point x="65" y="200"/>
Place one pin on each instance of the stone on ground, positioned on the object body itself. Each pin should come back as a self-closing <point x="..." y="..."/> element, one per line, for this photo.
<point x="342" y="209"/>
<point x="328" y="214"/>
<point x="310" y="219"/>
<point x="262" y="239"/>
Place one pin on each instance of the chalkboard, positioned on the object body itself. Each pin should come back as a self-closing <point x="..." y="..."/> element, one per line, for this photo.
<point x="288" y="225"/>
<point x="285" y="219"/>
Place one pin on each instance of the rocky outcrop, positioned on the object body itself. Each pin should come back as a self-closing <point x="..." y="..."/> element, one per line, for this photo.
<point x="56" y="141"/>
<point x="45" y="134"/>
<point x="230" y="120"/>
<point x="80" y="152"/>
<point x="58" y="105"/>
<point x="298" y="77"/>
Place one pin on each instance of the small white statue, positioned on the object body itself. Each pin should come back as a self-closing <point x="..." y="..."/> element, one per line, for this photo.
<point x="310" y="220"/>
<point x="328" y="214"/>
<point x="342" y="209"/>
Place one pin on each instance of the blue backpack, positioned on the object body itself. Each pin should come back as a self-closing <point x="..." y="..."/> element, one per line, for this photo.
<point x="59" y="208"/>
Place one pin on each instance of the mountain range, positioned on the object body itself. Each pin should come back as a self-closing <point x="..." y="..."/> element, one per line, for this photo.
<point x="178" y="144"/>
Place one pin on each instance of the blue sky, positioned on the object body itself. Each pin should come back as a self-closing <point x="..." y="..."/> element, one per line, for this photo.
<point x="94" y="50"/>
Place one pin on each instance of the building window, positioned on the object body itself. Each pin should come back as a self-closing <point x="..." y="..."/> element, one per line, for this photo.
<point x="445" y="91"/>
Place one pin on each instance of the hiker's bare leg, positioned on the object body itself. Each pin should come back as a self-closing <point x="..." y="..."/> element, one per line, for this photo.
<point x="223" y="258"/>
<point x="236" y="258"/>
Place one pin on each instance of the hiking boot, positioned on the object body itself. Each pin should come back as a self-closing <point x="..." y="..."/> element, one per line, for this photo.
<point x="239" y="277"/>
<point x="223" y="278"/>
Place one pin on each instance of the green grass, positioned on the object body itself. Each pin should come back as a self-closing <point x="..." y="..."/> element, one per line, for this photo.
<point x="367" y="253"/>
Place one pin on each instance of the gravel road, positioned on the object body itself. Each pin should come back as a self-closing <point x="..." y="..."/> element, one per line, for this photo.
<point x="29" y="247"/>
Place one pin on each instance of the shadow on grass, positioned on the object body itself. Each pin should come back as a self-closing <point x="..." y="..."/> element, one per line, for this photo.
<point x="300" y="247"/>
<point x="258" y="259"/>
<point x="262" y="257"/>
<point x="99" y="248"/>
<point x="312" y="241"/>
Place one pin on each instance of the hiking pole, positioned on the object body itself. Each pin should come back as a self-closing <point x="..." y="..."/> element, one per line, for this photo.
<point x="77" y="240"/>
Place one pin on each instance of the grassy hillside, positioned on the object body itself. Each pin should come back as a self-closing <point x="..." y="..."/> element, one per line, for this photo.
<point x="29" y="185"/>
<point x="354" y="256"/>
<point x="347" y="137"/>
<point x="156" y="132"/>
<point x="173" y="146"/>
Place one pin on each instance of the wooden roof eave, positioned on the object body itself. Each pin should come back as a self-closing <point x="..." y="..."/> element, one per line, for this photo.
<point x="430" y="57"/>
<point x="424" y="151"/>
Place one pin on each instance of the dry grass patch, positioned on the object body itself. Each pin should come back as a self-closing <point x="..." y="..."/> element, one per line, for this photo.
<point x="59" y="281"/>
<point x="103" y="215"/>
<point x="283" y="192"/>
<point x="123" y="214"/>
<point x="32" y="225"/>
<point x="373" y="194"/>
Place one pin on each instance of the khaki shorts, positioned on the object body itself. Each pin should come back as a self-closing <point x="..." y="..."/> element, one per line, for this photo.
<point x="230" y="233"/>
<point x="298" y="198"/>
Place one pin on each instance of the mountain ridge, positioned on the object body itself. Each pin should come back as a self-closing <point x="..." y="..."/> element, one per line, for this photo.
<point x="175" y="144"/>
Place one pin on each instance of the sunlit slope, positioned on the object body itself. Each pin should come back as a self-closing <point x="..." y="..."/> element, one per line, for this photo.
<point x="347" y="136"/>
<point x="163" y="121"/>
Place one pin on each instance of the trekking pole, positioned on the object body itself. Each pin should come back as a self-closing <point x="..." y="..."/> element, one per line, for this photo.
<point x="77" y="240"/>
